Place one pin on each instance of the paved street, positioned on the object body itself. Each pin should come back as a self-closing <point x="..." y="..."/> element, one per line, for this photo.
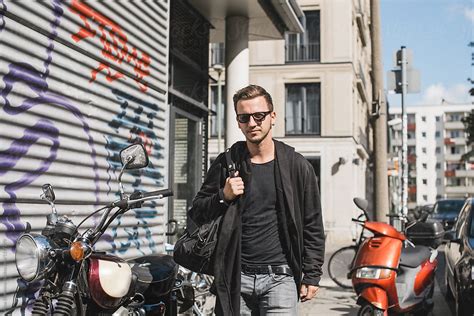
<point x="332" y="300"/>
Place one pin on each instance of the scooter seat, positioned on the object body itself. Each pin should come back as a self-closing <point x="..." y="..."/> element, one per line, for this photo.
<point x="412" y="257"/>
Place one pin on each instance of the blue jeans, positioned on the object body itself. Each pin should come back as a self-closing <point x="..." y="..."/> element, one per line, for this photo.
<point x="268" y="294"/>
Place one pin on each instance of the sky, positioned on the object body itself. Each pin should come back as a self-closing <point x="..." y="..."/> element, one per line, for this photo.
<point x="438" y="33"/>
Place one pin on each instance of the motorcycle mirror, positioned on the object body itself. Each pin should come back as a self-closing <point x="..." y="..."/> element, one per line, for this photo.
<point x="48" y="193"/>
<point x="134" y="157"/>
<point x="361" y="203"/>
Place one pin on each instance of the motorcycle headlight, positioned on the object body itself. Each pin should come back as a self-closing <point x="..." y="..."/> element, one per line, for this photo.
<point x="472" y="272"/>
<point x="32" y="256"/>
<point x="373" y="273"/>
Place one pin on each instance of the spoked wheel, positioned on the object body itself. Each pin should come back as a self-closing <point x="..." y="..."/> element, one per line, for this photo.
<point x="339" y="266"/>
<point x="369" y="310"/>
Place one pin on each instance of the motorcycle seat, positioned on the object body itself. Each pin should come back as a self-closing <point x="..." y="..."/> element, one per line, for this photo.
<point x="412" y="257"/>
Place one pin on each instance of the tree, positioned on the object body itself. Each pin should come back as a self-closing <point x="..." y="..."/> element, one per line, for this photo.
<point x="469" y="120"/>
<point x="469" y="128"/>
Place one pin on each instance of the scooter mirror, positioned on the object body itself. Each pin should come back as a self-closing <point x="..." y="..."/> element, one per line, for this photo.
<point x="48" y="193"/>
<point x="134" y="157"/>
<point x="423" y="216"/>
<point x="361" y="203"/>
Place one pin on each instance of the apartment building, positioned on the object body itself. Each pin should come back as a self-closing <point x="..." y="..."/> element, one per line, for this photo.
<point x="321" y="87"/>
<point x="436" y="142"/>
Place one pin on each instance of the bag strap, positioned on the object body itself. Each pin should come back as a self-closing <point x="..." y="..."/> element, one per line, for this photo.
<point x="230" y="165"/>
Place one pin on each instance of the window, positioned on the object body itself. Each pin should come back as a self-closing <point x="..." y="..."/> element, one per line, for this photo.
<point x="423" y="118"/>
<point x="217" y="53"/>
<point x="303" y="108"/>
<point x="424" y="165"/>
<point x="438" y="165"/>
<point x="455" y="134"/>
<point x="437" y="118"/>
<point x="437" y="134"/>
<point x="423" y="150"/>
<point x="213" y="100"/>
<point x="423" y="134"/>
<point x="438" y="150"/>
<point x="425" y="197"/>
<point x="425" y="181"/>
<point x="304" y="46"/>
<point x="316" y="163"/>
<point x="438" y="181"/>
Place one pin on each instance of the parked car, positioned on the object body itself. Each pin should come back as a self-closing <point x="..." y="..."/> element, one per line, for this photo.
<point x="459" y="254"/>
<point x="446" y="211"/>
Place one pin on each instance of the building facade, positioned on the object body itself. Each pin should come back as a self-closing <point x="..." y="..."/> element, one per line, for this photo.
<point x="321" y="88"/>
<point x="436" y="142"/>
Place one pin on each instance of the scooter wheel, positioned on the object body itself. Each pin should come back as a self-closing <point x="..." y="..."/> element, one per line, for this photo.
<point x="369" y="310"/>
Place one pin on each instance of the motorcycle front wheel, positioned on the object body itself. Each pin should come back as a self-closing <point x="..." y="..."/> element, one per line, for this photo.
<point x="369" y="310"/>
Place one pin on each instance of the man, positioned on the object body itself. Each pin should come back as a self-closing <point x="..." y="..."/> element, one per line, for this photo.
<point x="271" y="243"/>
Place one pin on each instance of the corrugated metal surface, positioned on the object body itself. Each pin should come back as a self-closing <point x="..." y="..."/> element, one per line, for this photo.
<point x="79" y="81"/>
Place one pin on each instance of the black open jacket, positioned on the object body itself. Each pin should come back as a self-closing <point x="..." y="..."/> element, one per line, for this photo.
<point x="299" y="217"/>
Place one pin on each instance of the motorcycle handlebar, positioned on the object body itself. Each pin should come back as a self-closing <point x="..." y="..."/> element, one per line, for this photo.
<point x="163" y="193"/>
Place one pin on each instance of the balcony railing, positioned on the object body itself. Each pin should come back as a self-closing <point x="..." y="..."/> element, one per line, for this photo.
<point x="302" y="52"/>
<point x="449" y="173"/>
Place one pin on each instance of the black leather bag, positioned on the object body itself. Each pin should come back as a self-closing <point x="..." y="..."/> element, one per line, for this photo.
<point x="195" y="250"/>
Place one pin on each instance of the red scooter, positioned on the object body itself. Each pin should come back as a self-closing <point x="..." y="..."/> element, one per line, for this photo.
<point x="390" y="274"/>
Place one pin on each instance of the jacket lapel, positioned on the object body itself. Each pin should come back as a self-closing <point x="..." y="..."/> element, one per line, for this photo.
<point x="285" y="166"/>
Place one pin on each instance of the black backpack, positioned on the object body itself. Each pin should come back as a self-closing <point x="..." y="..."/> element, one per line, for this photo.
<point x="194" y="250"/>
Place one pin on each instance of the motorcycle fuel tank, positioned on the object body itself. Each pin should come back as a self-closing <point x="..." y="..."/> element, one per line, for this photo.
<point x="109" y="280"/>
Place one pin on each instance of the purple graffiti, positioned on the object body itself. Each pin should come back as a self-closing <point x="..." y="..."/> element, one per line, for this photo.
<point x="58" y="13"/>
<point x="10" y="157"/>
<point x="36" y="81"/>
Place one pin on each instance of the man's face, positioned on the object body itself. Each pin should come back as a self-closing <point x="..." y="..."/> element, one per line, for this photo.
<point x="255" y="130"/>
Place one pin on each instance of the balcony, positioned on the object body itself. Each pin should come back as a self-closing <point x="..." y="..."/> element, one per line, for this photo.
<point x="459" y="189"/>
<point x="411" y="158"/>
<point x="449" y="173"/>
<point x="302" y="52"/>
<point x="411" y="127"/>
<point x="452" y="157"/>
<point x="464" y="173"/>
<point x="412" y="189"/>
<point x="454" y="125"/>
<point x="448" y="141"/>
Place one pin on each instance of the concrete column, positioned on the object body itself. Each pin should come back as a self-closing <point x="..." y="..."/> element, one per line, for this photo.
<point x="237" y="70"/>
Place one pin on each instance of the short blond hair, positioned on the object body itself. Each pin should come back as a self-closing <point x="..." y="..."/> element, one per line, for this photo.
<point x="250" y="92"/>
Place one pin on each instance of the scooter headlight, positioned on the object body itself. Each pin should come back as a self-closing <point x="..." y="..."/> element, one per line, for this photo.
<point x="32" y="256"/>
<point x="373" y="273"/>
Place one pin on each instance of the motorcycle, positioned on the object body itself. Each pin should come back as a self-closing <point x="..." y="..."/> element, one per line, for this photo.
<point x="78" y="280"/>
<point x="389" y="273"/>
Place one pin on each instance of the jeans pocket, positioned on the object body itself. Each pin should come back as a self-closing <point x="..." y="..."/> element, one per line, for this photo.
<point x="281" y="277"/>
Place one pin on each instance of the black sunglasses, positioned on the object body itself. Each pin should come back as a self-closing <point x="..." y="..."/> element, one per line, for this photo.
<point x="257" y="116"/>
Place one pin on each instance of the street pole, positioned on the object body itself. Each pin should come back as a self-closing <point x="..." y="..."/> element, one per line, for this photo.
<point x="219" y="68"/>
<point x="219" y="111"/>
<point x="381" y="200"/>
<point x="404" y="132"/>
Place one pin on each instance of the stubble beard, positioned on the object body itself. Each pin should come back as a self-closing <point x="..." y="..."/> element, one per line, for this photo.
<point x="258" y="140"/>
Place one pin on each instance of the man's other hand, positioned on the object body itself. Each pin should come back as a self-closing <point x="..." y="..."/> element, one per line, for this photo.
<point x="307" y="292"/>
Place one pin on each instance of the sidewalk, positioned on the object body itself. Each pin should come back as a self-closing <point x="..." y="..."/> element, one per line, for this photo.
<point x="331" y="300"/>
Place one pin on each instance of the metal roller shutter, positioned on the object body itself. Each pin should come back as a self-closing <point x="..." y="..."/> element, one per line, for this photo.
<point x="80" y="81"/>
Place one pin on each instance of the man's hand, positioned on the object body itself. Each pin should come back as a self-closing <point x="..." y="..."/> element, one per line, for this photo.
<point x="307" y="292"/>
<point x="233" y="187"/>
